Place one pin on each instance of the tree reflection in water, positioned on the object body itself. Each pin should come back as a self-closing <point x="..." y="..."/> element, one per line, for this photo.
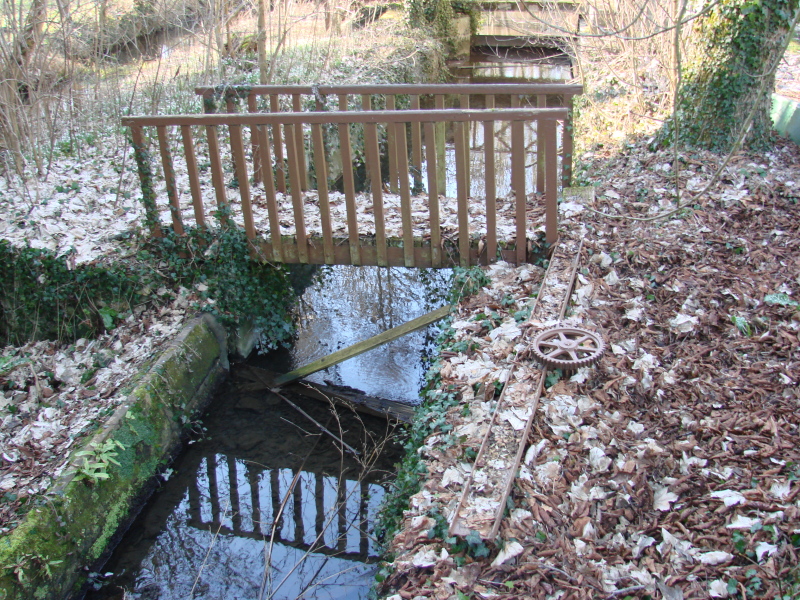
<point x="213" y="547"/>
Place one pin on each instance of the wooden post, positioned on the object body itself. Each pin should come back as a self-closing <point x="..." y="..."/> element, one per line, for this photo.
<point x="169" y="176"/>
<point x="372" y="153"/>
<point x="392" y="147"/>
<point x="274" y="106"/>
<point x="269" y="190"/>
<point x="217" y="179"/>
<point x="321" y="169"/>
<point x="297" y="193"/>
<point x="346" y="154"/>
<point x="566" y="143"/>
<point x="405" y="193"/>
<point x="144" y="167"/>
<point x="441" y="140"/>
<point x="551" y="181"/>
<point x="300" y="148"/>
<point x="433" y="195"/>
<point x="254" y="140"/>
<point x="462" y="194"/>
<point x="490" y="182"/>
<point x="237" y="151"/>
<point x="194" y="177"/>
<point x="541" y="155"/>
<point x="416" y="144"/>
<point x="518" y="186"/>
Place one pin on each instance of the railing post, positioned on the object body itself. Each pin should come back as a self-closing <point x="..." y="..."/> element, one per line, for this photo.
<point x="169" y="177"/>
<point x="551" y="181"/>
<point x="566" y="144"/>
<point x="346" y="156"/>
<point x="144" y="167"/>
<point x="490" y="186"/>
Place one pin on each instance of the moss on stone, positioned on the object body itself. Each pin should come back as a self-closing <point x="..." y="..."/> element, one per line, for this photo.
<point x="44" y="557"/>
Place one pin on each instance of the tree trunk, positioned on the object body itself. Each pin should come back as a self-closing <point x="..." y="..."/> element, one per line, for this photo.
<point x="263" y="66"/>
<point x="730" y="72"/>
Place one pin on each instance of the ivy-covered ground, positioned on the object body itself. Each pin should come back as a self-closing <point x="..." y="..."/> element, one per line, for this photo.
<point x="671" y="469"/>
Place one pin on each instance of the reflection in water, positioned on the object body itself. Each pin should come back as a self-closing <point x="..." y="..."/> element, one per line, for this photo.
<point x="261" y="488"/>
<point x="350" y="304"/>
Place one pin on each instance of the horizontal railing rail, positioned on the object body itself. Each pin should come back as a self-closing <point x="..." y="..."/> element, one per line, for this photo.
<point x="467" y="95"/>
<point x="359" y="247"/>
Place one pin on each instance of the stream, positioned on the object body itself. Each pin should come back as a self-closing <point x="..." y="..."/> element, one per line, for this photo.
<point x="259" y="483"/>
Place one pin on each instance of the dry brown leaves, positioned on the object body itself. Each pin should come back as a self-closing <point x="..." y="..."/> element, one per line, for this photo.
<point x="669" y="470"/>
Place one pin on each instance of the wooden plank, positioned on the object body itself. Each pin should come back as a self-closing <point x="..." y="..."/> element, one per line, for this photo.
<point x="462" y="195"/>
<point x="405" y="193"/>
<point x="321" y="169"/>
<point x="441" y="140"/>
<point x="372" y="153"/>
<point x="169" y="176"/>
<point x="277" y="141"/>
<point x="346" y="156"/>
<point x="415" y="88"/>
<point x="464" y="104"/>
<point x="255" y="140"/>
<point x="490" y="184"/>
<point x="299" y="145"/>
<point x="433" y="196"/>
<point x="142" y="157"/>
<point x="217" y="178"/>
<point x="551" y="181"/>
<point x="391" y="147"/>
<point x="194" y="175"/>
<point x="365" y="116"/>
<point x="518" y="183"/>
<point x="240" y="166"/>
<point x="416" y="141"/>
<point x="541" y="155"/>
<point x="567" y="144"/>
<point x="269" y="191"/>
<point x="363" y="346"/>
<point x="297" y="194"/>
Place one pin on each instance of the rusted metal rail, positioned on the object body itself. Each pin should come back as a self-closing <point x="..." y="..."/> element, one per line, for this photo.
<point x="359" y="247"/>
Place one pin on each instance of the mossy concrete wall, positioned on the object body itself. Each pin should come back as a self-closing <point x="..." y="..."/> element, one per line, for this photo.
<point x="786" y="117"/>
<point x="46" y="556"/>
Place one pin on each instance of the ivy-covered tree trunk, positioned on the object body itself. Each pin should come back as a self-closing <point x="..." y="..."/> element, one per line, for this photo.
<point x="730" y="72"/>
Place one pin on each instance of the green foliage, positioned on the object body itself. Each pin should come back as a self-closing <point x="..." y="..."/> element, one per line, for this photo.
<point x="96" y="460"/>
<point x="736" y="41"/>
<point x="781" y="300"/>
<point x="742" y="325"/>
<point x="41" y="297"/>
<point x="439" y="17"/>
<point x="239" y="286"/>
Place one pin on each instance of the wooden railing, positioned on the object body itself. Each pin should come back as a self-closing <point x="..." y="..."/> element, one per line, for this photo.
<point x="360" y="246"/>
<point x="297" y="98"/>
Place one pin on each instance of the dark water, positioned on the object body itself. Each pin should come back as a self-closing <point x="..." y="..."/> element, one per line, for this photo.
<point x="262" y="486"/>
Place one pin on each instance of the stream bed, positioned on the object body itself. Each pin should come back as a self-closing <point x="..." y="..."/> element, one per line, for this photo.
<point x="260" y="484"/>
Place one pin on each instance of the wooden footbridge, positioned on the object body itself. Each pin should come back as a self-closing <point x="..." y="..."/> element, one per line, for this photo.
<point x="391" y="177"/>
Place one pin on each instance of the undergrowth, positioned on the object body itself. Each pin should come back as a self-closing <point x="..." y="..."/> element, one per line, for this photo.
<point x="43" y="297"/>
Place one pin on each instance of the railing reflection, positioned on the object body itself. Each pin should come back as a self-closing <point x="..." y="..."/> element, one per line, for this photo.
<point x="315" y="512"/>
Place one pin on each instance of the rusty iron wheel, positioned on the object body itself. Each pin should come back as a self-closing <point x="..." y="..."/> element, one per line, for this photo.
<point x="568" y="348"/>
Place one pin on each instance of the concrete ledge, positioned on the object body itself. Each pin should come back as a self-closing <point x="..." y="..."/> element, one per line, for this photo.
<point x="786" y="117"/>
<point x="46" y="556"/>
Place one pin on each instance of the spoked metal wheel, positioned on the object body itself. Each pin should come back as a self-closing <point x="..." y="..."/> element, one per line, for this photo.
<point x="568" y="348"/>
